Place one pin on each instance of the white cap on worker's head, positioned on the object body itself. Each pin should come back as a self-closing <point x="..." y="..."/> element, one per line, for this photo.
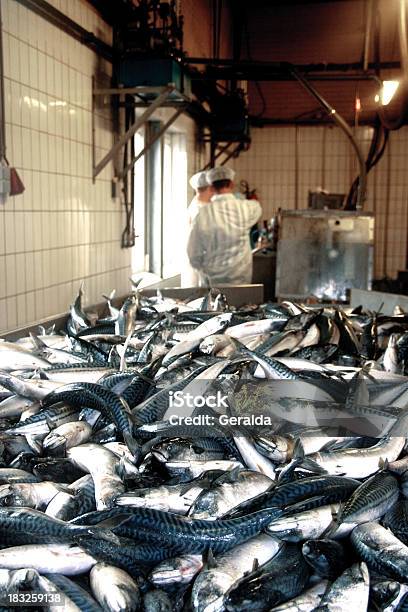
<point x="199" y="181"/>
<point x="220" y="173"/>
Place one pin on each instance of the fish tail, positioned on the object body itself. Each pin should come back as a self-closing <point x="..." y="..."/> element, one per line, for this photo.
<point x="132" y="445"/>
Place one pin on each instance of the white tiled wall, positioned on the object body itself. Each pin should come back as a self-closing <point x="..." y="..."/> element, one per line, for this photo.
<point x="64" y="228"/>
<point x="284" y="163"/>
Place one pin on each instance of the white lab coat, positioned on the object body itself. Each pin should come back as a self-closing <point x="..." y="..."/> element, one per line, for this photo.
<point x="190" y="277"/>
<point x="218" y="244"/>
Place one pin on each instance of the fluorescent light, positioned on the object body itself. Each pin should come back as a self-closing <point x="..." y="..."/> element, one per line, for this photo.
<point x="388" y="90"/>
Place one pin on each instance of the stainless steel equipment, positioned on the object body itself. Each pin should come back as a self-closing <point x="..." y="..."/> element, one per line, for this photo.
<point x="323" y="253"/>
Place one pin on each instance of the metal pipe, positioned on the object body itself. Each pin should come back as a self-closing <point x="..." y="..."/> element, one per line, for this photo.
<point x="161" y="145"/>
<point x="367" y="36"/>
<point x="406" y="240"/>
<point x="2" y="103"/>
<point x="297" y="148"/>
<point x="67" y="25"/>
<point x="362" y="183"/>
<point x="133" y="129"/>
<point x="403" y="38"/>
<point x="324" y="138"/>
<point x="93" y="148"/>
<point x="387" y="209"/>
<point x="376" y="233"/>
<point x="156" y="137"/>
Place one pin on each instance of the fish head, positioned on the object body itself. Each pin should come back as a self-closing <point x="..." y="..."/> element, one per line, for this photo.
<point x="54" y="443"/>
<point x="206" y="505"/>
<point x="208" y="345"/>
<point x="166" y="574"/>
<point x="225" y="318"/>
<point x="11" y="496"/>
<point x="316" y="553"/>
<point x="276" y="447"/>
<point x="179" y="570"/>
<point x="161" y="454"/>
<point x="169" y="449"/>
<point x="24" y="578"/>
<point x="385" y="591"/>
<point x="209" y="590"/>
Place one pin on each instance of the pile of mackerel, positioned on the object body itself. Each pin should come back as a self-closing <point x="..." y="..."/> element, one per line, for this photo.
<point x="290" y="493"/>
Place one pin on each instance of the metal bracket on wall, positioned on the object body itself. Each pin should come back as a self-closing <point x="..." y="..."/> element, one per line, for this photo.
<point x="217" y="151"/>
<point x="162" y="94"/>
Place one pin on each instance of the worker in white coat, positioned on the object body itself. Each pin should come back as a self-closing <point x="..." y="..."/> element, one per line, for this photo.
<point x="218" y="245"/>
<point x="191" y="277"/>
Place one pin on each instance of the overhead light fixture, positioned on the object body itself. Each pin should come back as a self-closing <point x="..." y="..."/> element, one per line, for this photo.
<point x="387" y="92"/>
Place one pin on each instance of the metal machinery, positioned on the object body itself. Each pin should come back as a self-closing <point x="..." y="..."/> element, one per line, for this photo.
<point x="149" y="71"/>
<point x="324" y="253"/>
<point x="228" y="126"/>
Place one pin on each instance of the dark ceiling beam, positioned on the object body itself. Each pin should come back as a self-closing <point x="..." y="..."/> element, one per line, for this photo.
<point x="296" y="2"/>
<point x="282" y="66"/>
<point x="253" y="71"/>
<point x="265" y="121"/>
<point x="231" y="75"/>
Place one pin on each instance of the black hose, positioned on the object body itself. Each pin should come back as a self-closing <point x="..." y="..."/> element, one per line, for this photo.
<point x="374" y="155"/>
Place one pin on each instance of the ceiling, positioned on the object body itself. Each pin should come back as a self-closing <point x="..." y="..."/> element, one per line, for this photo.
<point x="337" y="35"/>
<point x="316" y="32"/>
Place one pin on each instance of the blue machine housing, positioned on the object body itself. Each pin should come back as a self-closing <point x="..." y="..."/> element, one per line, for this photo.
<point x="154" y="72"/>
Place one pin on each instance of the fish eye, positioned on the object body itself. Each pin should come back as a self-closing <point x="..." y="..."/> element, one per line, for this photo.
<point x="7" y="500"/>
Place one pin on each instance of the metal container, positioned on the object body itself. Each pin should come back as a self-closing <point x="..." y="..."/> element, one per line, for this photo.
<point x="323" y="253"/>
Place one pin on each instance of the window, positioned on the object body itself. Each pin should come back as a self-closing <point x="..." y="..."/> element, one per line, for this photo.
<point x="166" y="201"/>
<point x="174" y="202"/>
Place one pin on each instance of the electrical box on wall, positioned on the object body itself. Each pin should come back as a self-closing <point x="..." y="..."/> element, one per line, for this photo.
<point x="4" y="180"/>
